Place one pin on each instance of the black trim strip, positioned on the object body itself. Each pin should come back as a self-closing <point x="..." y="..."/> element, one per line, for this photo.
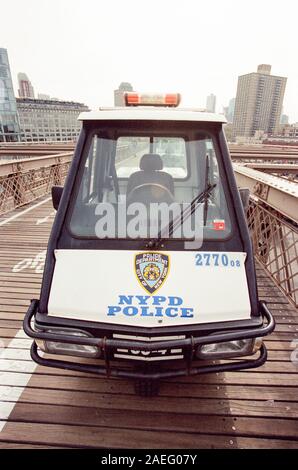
<point x="242" y="223"/>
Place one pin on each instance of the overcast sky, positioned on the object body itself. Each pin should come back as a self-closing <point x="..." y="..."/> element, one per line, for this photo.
<point x="82" y="49"/>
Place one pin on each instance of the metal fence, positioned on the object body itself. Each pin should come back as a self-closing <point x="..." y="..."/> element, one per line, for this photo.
<point x="23" y="181"/>
<point x="27" y="180"/>
<point x="275" y="242"/>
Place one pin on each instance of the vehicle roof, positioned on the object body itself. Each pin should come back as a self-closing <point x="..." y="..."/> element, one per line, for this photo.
<point x="151" y="113"/>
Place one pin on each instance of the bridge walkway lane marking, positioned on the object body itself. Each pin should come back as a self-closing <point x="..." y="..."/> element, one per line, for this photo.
<point x="23" y="367"/>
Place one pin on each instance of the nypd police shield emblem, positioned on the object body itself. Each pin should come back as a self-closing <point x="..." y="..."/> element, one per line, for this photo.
<point x="151" y="270"/>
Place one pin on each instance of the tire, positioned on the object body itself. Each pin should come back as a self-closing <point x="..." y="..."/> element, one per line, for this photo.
<point x="146" y="388"/>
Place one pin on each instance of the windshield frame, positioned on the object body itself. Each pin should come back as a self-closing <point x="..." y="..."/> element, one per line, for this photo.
<point x="104" y="129"/>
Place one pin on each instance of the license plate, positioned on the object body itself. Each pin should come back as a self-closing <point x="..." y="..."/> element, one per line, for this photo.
<point x="155" y="355"/>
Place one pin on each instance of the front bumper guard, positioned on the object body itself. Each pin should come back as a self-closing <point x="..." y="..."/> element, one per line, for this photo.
<point x="107" y="345"/>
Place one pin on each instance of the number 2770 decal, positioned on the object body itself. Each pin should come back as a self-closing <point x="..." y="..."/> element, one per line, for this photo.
<point x="216" y="259"/>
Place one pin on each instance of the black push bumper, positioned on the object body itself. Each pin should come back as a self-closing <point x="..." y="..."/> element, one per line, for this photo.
<point x="188" y="344"/>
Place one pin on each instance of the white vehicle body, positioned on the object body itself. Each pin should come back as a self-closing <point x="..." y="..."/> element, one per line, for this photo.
<point x="210" y="294"/>
<point x="149" y="258"/>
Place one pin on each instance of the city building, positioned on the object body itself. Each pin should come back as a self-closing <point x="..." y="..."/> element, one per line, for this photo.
<point x="49" y="120"/>
<point x="284" y="119"/>
<point x="119" y="93"/>
<point x="289" y="130"/>
<point x="25" y="87"/>
<point x="229" y="110"/>
<point x="211" y="103"/>
<point x="287" y="135"/>
<point x="258" y="103"/>
<point x="9" y="123"/>
<point x="43" y="96"/>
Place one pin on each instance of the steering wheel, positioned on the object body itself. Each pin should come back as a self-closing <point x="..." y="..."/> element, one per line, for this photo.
<point x="150" y="192"/>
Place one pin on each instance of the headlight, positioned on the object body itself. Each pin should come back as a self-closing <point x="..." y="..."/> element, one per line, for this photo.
<point x="240" y="347"/>
<point x="55" y="347"/>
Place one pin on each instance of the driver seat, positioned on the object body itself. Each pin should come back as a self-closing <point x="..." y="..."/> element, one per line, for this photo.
<point x="151" y="166"/>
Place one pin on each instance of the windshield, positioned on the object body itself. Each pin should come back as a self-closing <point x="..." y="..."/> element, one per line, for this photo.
<point x="136" y="185"/>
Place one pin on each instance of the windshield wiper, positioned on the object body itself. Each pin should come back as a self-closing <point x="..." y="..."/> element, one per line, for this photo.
<point x="185" y="214"/>
<point x="207" y="184"/>
<point x="188" y="211"/>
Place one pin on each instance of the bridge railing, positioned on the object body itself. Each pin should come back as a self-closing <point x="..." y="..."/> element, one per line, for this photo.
<point x="23" y="181"/>
<point x="273" y="221"/>
<point x="275" y="238"/>
<point x="275" y="242"/>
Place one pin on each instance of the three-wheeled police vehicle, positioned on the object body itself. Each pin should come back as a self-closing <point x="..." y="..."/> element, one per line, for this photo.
<point x="149" y="270"/>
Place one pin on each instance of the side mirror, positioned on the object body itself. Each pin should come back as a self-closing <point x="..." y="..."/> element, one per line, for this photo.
<point x="56" y="195"/>
<point x="244" y="194"/>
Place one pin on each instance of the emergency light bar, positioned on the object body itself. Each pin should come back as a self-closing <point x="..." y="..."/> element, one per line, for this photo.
<point x="141" y="99"/>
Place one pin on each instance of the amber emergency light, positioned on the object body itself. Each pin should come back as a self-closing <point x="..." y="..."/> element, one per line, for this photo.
<point x="142" y="99"/>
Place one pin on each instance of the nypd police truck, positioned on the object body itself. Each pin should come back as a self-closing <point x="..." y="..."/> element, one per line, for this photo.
<point x="149" y="271"/>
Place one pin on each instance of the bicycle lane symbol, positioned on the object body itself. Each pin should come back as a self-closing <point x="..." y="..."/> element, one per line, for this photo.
<point x="36" y="263"/>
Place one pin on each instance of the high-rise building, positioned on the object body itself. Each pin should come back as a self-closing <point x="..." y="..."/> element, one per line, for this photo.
<point x="258" y="102"/>
<point x="229" y="110"/>
<point x="25" y="87"/>
<point x="284" y="119"/>
<point x="211" y="103"/>
<point x="49" y="120"/>
<point x="9" y="123"/>
<point x="119" y="94"/>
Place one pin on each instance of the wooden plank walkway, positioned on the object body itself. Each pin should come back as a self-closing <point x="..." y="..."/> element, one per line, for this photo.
<point x="51" y="408"/>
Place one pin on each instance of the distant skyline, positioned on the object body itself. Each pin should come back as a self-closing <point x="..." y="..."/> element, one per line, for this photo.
<point x="82" y="50"/>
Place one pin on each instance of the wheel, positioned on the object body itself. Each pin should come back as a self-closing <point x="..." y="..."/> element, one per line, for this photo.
<point x="147" y="388"/>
